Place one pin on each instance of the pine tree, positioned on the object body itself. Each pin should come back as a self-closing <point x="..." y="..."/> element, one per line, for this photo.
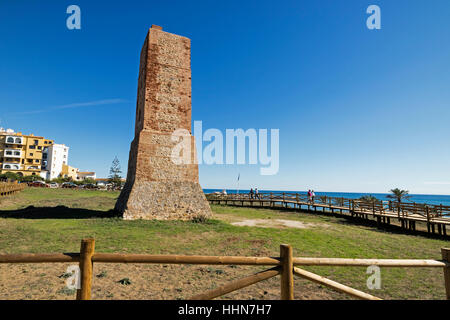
<point x="114" y="173"/>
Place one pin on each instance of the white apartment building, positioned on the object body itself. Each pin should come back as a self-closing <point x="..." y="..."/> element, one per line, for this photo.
<point x="53" y="158"/>
<point x="6" y="131"/>
<point x="86" y="175"/>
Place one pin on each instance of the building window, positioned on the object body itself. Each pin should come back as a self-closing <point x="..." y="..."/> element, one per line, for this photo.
<point x="31" y="154"/>
<point x="39" y="147"/>
<point x="36" y="141"/>
<point x="37" y="161"/>
<point x="18" y="140"/>
<point x="10" y="140"/>
<point x="32" y="147"/>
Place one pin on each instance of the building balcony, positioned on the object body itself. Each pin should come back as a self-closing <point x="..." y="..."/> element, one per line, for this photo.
<point x="14" y="140"/>
<point x="11" y="166"/>
<point x="33" y="168"/>
<point x="11" y="153"/>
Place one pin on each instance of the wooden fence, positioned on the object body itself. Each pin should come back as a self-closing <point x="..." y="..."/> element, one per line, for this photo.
<point x="286" y="265"/>
<point x="383" y="211"/>
<point x="8" y="188"/>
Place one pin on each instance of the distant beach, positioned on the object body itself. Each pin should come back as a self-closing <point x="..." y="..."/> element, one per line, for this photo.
<point x="418" y="198"/>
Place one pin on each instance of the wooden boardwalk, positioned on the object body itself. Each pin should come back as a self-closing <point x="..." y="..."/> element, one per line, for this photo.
<point x="7" y="189"/>
<point x="435" y="217"/>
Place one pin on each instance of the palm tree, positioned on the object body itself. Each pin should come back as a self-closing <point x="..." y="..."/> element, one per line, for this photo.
<point x="399" y="195"/>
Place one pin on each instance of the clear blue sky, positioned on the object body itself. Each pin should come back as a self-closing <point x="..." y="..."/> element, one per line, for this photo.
<point x="358" y="110"/>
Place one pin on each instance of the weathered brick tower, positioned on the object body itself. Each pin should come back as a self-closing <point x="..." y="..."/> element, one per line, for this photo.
<point x="156" y="187"/>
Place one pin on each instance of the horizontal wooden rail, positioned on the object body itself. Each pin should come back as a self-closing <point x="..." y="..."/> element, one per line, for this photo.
<point x="216" y="260"/>
<point x="183" y="259"/>
<point x="410" y="263"/>
<point x="39" y="258"/>
<point x="238" y="284"/>
<point x="333" y="284"/>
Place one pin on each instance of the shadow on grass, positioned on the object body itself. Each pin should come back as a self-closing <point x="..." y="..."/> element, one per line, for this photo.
<point x="58" y="212"/>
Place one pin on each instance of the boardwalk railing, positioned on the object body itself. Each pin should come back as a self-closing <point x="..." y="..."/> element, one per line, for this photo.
<point x="285" y="265"/>
<point x="383" y="211"/>
<point x="7" y="188"/>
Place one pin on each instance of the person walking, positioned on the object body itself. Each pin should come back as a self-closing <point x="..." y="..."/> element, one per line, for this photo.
<point x="251" y="193"/>
<point x="313" y="195"/>
<point x="256" y="193"/>
<point x="309" y="195"/>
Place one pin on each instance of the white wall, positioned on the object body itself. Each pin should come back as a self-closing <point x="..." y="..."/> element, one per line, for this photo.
<point x="82" y="176"/>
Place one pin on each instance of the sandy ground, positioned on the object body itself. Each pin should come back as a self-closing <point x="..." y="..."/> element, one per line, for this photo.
<point x="276" y="223"/>
<point x="158" y="282"/>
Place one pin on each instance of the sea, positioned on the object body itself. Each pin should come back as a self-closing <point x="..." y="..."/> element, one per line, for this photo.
<point x="418" y="198"/>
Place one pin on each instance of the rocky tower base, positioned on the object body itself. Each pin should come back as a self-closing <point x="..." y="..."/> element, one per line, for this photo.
<point x="163" y="201"/>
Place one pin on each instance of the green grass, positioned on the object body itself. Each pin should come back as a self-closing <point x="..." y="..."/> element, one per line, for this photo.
<point x="83" y="213"/>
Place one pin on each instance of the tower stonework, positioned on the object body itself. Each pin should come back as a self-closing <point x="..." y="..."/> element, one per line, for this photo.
<point x="156" y="187"/>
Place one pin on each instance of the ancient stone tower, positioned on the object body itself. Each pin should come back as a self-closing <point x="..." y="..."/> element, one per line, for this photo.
<point x="156" y="187"/>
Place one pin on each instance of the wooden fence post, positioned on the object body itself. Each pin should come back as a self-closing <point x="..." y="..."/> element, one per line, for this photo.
<point x="287" y="273"/>
<point x="446" y="258"/>
<point x="86" y="266"/>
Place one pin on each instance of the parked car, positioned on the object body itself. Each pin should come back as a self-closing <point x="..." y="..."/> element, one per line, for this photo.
<point x="53" y="185"/>
<point x="69" y="185"/>
<point x="38" y="184"/>
<point x="102" y="187"/>
<point x="90" y="186"/>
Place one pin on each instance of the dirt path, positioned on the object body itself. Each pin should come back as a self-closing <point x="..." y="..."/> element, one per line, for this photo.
<point x="277" y="223"/>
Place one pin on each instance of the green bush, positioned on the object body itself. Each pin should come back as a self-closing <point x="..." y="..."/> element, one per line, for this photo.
<point x="12" y="176"/>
